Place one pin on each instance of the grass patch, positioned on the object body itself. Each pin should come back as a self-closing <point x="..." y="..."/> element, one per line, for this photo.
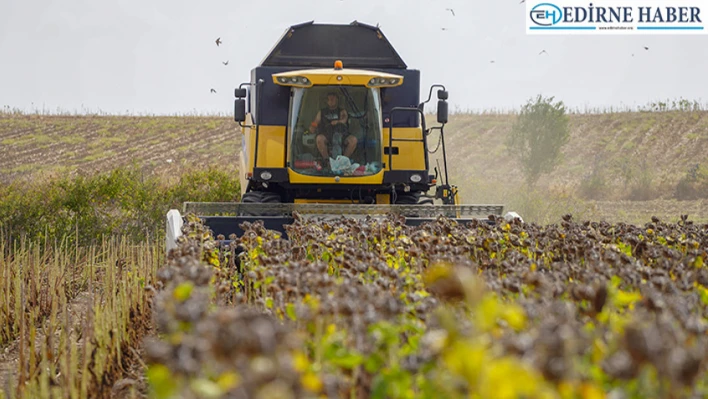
<point x="23" y="168"/>
<point x="72" y="139"/>
<point x="124" y="201"/>
<point x="93" y="157"/>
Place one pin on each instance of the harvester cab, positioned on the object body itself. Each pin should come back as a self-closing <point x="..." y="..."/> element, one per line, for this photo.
<point x="332" y="125"/>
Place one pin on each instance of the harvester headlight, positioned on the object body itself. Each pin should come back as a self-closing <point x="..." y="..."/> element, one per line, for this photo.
<point x="415" y="178"/>
<point x="265" y="175"/>
<point x="383" y="81"/>
<point x="294" y="80"/>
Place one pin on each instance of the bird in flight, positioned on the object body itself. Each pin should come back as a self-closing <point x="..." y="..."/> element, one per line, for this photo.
<point x="451" y="10"/>
<point x="646" y="48"/>
<point x="443" y="28"/>
<point x="218" y="41"/>
<point x="491" y="62"/>
<point x="542" y="52"/>
<point x="226" y="63"/>
<point x="213" y="91"/>
<point x="522" y="1"/>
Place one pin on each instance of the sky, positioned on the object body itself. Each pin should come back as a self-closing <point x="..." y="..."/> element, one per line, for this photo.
<point x="159" y="56"/>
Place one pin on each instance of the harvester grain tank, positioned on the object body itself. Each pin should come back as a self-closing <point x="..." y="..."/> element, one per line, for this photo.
<point x="371" y="157"/>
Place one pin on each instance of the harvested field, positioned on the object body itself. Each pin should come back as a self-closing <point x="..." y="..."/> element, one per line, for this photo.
<point x="633" y="154"/>
<point x="55" y="145"/>
<point x="74" y="319"/>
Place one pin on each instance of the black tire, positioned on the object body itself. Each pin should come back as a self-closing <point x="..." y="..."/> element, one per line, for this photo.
<point x="407" y="198"/>
<point x="410" y="198"/>
<point x="260" y="197"/>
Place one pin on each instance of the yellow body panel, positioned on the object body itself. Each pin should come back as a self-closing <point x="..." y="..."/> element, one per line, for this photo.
<point x="271" y="146"/>
<point x="411" y="154"/>
<point x="246" y="156"/>
<point x="307" y="179"/>
<point x="383" y="198"/>
<point x="329" y="77"/>
<point x="456" y="198"/>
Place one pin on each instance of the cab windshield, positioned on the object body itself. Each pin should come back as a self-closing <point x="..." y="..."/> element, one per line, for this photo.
<point x="335" y="131"/>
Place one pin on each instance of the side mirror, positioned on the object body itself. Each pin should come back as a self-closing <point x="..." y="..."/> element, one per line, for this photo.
<point x="240" y="110"/>
<point x="240" y="93"/>
<point x="442" y="111"/>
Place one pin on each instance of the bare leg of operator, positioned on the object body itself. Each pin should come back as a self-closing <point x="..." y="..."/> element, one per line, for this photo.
<point x="350" y="142"/>
<point x="322" y="146"/>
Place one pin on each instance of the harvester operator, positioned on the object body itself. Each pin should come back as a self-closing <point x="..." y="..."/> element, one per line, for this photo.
<point x="330" y="120"/>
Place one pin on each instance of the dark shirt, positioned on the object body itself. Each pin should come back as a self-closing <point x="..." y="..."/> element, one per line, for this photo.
<point x="328" y="115"/>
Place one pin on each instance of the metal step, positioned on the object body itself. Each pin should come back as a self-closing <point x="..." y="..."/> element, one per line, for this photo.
<point x="287" y="209"/>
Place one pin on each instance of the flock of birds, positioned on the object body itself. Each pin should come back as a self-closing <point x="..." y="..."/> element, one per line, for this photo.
<point x="492" y="61"/>
<point x="218" y="42"/>
<point x="521" y="2"/>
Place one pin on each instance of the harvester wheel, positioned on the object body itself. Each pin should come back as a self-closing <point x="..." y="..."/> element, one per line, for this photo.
<point x="407" y="198"/>
<point x="260" y="197"/>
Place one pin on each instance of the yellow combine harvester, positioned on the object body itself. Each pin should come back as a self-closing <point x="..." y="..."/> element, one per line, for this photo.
<point x="333" y="125"/>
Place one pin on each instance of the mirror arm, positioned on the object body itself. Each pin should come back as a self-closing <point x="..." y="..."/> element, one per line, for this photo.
<point x="430" y="94"/>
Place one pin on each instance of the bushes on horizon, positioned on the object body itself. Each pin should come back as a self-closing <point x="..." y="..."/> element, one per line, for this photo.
<point x="642" y="187"/>
<point x="594" y="186"/>
<point x="694" y="185"/>
<point x="540" y="131"/>
<point x="123" y="201"/>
